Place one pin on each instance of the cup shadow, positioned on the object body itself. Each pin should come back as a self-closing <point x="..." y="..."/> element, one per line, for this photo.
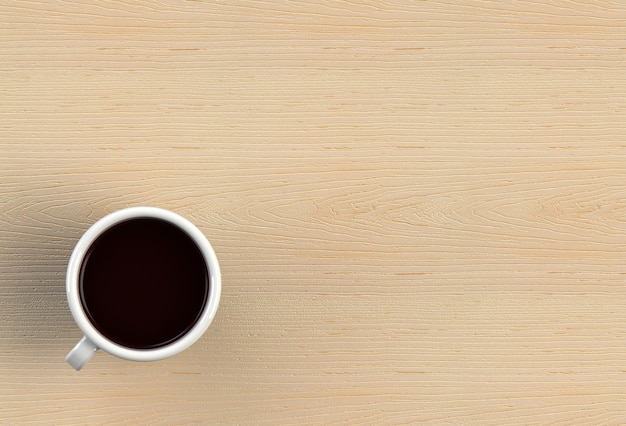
<point x="33" y="307"/>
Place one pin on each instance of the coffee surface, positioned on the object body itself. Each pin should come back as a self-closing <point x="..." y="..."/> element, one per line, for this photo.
<point x="144" y="283"/>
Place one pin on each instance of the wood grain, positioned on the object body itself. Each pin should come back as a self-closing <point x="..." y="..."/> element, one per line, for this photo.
<point x="418" y="207"/>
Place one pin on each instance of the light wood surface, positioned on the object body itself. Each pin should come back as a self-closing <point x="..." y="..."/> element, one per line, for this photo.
<point x="419" y="207"/>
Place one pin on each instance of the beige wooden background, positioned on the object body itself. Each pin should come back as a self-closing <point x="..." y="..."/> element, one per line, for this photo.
<point x="419" y="206"/>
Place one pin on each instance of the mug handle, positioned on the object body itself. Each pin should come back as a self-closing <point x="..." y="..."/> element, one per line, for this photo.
<point x="82" y="352"/>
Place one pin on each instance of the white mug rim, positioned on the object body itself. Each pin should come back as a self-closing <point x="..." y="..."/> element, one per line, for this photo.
<point x="73" y="276"/>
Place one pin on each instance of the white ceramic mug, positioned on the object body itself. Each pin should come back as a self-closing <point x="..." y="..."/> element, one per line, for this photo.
<point x="93" y="339"/>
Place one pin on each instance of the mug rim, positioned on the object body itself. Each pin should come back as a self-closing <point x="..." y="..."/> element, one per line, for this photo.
<point x="73" y="284"/>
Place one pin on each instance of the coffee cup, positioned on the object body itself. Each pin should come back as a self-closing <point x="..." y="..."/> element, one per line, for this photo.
<point x="143" y="284"/>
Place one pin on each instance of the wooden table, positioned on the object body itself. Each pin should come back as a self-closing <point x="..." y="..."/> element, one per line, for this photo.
<point x="419" y="207"/>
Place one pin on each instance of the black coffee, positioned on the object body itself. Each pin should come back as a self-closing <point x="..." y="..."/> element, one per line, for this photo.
<point x="144" y="283"/>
